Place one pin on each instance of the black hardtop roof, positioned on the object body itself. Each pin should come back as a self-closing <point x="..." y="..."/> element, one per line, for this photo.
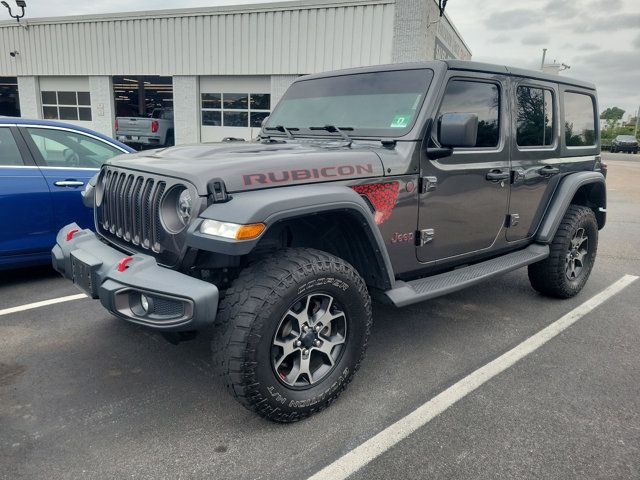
<point x="458" y="65"/>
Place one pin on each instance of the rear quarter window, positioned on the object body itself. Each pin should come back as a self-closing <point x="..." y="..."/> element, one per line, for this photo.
<point x="579" y="120"/>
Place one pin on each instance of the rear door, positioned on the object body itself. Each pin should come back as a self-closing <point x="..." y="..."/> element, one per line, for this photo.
<point x="535" y="154"/>
<point x="25" y="201"/>
<point x="68" y="159"/>
<point x="463" y="209"/>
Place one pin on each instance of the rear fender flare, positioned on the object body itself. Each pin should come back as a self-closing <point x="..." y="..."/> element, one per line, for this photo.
<point x="592" y="184"/>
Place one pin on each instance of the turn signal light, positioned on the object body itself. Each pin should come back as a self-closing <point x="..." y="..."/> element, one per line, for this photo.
<point x="247" y="232"/>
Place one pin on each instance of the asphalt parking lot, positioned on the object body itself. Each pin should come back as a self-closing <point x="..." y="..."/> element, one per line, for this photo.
<point x="84" y="395"/>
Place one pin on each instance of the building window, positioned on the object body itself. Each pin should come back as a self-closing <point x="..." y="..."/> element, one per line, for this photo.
<point x="66" y="105"/>
<point x="579" y="120"/>
<point x="534" y="117"/>
<point x="235" y="109"/>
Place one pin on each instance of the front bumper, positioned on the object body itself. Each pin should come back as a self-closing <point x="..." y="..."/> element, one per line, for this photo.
<point x="625" y="148"/>
<point x="176" y="302"/>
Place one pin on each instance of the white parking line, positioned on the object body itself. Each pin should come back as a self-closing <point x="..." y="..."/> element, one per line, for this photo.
<point x="43" y="303"/>
<point x="390" y="436"/>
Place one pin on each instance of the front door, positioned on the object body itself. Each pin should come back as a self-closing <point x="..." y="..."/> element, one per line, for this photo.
<point x="465" y="195"/>
<point x="68" y="159"/>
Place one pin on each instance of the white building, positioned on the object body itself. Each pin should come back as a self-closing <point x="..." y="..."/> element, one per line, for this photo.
<point x="221" y="69"/>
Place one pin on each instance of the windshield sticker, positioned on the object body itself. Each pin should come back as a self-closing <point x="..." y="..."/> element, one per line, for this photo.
<point x="400" y="121"/>
<point x="415" y="104"/>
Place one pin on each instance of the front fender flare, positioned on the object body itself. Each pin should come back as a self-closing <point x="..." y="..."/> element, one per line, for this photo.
<point x="562" y="198"/>
<point x="273" y="205"/>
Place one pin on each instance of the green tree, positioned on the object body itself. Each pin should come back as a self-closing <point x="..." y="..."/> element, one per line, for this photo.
<point x="612" y="114"/>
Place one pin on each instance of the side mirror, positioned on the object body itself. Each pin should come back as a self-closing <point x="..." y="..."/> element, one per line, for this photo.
<point x="458" y="129"/>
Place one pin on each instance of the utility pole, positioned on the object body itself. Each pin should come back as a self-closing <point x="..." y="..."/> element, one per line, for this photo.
<point x="544" y="54"/>
<point x="635" y="133"/>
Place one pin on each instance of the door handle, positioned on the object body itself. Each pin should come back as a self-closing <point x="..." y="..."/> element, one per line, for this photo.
<point x="548" y="171"/>
<point x="69" y="183"/>
<point x="497" y="175"/>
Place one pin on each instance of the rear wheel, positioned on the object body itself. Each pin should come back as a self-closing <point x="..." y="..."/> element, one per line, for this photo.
<point x="293" y="329"/>
<point x="571" y="257"/>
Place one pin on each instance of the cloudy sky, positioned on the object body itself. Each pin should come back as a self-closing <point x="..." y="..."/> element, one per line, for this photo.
<point x="599" y="39"/>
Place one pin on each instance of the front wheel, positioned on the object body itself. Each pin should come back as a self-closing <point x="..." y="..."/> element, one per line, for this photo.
<point x="293" y="330"/>
<point x="572" y="254"/>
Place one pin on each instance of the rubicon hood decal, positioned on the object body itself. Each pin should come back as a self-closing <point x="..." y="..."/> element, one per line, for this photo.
<point x="323" y="173"/>
<point x="247" y="166"/>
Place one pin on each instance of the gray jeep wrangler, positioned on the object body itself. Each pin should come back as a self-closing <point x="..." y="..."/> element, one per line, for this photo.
<point x="399" y="183"/>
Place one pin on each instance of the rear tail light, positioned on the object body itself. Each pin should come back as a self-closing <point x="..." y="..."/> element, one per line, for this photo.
<point x="116" y="124"/>
<point x="154" y="126"/>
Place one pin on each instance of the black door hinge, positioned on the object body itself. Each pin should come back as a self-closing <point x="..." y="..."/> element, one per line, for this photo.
<point x="428" y="184"/>
<point x="512" y="220"/>
<point x="424" y="236"/>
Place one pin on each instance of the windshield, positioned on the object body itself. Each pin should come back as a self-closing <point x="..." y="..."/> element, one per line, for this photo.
<point x="372" y="104"/>
<point x="626" y="138"/>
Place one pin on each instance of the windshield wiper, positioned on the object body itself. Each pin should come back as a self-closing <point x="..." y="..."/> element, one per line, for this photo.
<point x="334" y="129"/>
<point x="287" y="130"/>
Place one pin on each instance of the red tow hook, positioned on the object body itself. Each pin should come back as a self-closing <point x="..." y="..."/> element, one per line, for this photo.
<point x="122" y="264"/>
<point x="71" y="233"/>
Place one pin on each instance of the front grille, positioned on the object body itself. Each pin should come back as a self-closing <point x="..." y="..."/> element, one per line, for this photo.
<point x="130" y="208"/>
<point x="128" y="211"/>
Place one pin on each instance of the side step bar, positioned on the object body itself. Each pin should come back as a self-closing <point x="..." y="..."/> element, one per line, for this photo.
<point x="406" y="293"/>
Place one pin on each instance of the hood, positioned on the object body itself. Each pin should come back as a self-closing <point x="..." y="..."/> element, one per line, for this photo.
<point x="248" y="165"/>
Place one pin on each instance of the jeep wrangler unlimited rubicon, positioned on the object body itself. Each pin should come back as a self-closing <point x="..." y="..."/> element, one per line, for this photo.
<point x="399" y="182"/>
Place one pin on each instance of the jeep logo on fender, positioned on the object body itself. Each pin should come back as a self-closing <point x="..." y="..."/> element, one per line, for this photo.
<point x="306" y="174"/>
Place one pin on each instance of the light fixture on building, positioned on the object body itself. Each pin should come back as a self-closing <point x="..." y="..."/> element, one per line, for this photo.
<point x="14" y="53"/>
<point x="20" y="4"/>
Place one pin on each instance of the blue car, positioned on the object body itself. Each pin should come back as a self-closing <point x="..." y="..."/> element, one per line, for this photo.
<point x="44" y="166"/>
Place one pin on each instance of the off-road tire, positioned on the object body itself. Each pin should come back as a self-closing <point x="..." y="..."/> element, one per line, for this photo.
<point x="252" y="309"/>
<point x="549" y="276"/>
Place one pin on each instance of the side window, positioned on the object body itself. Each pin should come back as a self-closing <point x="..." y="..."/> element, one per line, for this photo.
<point x="483" y="99"/>
<point x="579" y="120"/>
<point x="9" y="153"/>
<point x="62" y="148"/>
<point x="534" y="120"/>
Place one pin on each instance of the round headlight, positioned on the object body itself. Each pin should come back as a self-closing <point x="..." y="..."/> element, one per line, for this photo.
<point x="184" y="206"/>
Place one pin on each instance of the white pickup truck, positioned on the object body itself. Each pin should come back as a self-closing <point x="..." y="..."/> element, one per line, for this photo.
<point x="154" y="130"/>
